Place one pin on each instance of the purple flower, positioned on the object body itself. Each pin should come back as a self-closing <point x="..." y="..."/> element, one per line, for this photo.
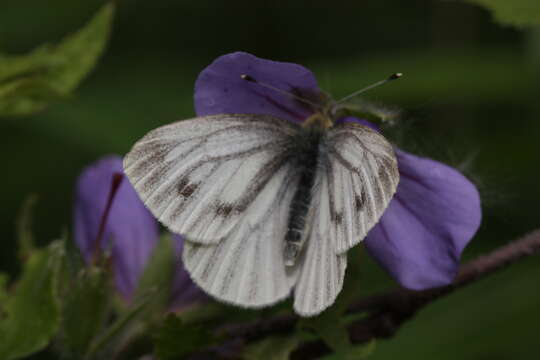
<point x="435" y="211"/>
<point x="108" y="214"/>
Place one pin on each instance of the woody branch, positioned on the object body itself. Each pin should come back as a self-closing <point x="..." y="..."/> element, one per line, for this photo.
<point x="388" y="311"/>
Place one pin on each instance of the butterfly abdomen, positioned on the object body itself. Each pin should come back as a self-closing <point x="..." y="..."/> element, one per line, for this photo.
<point x="305" y="160"/>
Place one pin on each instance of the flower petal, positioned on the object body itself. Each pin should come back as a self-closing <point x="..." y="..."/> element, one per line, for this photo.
<point x="428" y="223"/>
<point x="220" y="89"/>
<point x="184" y="291"/>
<point x="131" y="231"/>
<point x="358" y="121"/>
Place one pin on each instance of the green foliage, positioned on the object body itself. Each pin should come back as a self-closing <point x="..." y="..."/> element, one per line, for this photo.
<point x="31" y="314"/>
<point x="329" y="327"/>
<point x="85" y="307"/>
<point x="272" y="348"/>
<point x="117" y="331"/>
<point x="519" y="13"/>
<point x="175" y="339"/>
<point x="24" y="225"/>
<point x="88" y="291"/>
<point x="28" y="83"/>
<point x="3" y="291"/>
<point x="439" y="76"/>
<point x="353" y="352"/>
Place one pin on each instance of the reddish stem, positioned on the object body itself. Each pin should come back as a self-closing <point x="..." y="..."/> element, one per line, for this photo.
<point x="116" y="180"/>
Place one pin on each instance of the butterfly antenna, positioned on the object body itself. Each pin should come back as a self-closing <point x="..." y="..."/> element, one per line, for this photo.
<point x="268" y="86"/>
<point x="378" y="83"/>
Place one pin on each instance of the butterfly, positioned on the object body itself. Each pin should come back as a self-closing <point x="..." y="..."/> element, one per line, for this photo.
<point x="267" y="206"/>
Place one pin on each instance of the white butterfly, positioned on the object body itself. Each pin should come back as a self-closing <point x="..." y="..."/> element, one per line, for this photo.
<point x="266" y="205"/>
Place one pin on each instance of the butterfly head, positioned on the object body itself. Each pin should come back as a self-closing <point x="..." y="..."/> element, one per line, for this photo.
<point x="323" y="116"/>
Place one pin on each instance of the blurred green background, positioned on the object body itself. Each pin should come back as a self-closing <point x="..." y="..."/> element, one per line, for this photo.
<point x="469" y="98"/>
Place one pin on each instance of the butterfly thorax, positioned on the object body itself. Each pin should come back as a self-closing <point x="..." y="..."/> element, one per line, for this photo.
<point x="319" y="121"/>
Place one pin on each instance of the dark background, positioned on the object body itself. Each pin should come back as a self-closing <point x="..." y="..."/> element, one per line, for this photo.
<point x="469" y="98"/>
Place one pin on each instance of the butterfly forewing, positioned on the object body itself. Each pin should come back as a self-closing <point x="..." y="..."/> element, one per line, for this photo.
<point x="199" y="176"/>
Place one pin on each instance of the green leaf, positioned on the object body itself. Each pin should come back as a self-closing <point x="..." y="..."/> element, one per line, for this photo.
<point x="175" y="339"/>
<point x="272" y="348"/>
<point x="28" y="83"/>
<point x="519" y="13"/>
<point x="328" y="326"/>
<point x="3" y="292"/>
<point x="121" y="327"/>
<point x="86" y="301"/>
<point x="363" y="351"/>
<point x="31" y="315"/>
<point x="353" y="352"/>
<point x="205" y="312"/>
<point x="24" y="227"/>
<point x="85" y="293"/>
<point x="157" y="277"/>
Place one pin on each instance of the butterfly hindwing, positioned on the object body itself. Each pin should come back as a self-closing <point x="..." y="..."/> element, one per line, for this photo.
<point x="355" y="179"/>
<point x="321" y="270"/>
<point x="248" y="268"/>
<point x="199" y="176"/>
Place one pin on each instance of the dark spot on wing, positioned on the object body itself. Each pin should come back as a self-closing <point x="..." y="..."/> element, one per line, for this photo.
<point x="359" y="201"/>
<point x="186" y="189"/>
<point x="385" y="178"/>
<point x="189" y="190"/>
<point x="183" y="182"/>
<point x="337" y="218"/>
<point x="224" y="209"/>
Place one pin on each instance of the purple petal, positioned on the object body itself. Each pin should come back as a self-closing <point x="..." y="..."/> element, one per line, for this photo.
<point x="359" y="121"/>
<point x="184" y="291"/>
<point x="131" y="232"/>
<point x="220" y="89"/>
<point x="428" y="223"/>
